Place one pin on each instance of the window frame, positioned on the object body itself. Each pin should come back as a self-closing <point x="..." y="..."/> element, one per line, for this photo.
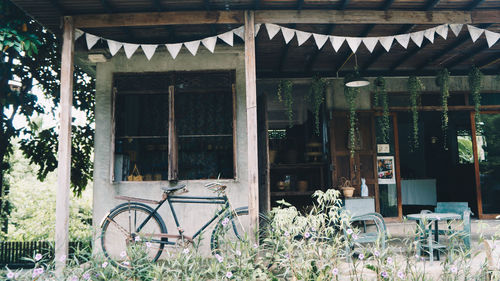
<point x="172" y="140"/>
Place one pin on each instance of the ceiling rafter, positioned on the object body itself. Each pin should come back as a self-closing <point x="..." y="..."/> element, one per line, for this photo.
<point x="300" y="3"/>
<point x="344" y="4"/>
<point x="468" y="55"/>
<point x="431" y="4"/>
<point x="491" y="60"/>
<point x="60" y="9"/>
<point x="256" y="4"/>
<point x="409" y="55"/>
<point x="387" y="4"/>
<point x="474" y="4"/>
<point x="344" y="59"/>
<point x="284" y="52"/>
<point x="464" y="38"/>
<point x="105" y="4"/>
<point x="158" y="6"/>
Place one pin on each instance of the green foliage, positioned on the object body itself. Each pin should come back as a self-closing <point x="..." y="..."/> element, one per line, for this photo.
<point x="415" y="87"/>
<point x="475" y="79"/>
<point x="465" y="153"/>
<point x="33" y="205"/>
<point x="381" y="96"/>
<point x="316" y="98"/>
<point x="284" y="92"/>
<point x="351" y="95"/>
<point x="443" y="82"/>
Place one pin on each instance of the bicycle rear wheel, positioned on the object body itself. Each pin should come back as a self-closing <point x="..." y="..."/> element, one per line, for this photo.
<point x="119" y="239"/>
<point x="234" y="228"/>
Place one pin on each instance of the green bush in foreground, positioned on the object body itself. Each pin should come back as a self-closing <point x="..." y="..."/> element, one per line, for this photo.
<point x="315" y="246"/>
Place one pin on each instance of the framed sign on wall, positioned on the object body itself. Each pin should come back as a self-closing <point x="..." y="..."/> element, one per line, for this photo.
<point x="385" y="170"/>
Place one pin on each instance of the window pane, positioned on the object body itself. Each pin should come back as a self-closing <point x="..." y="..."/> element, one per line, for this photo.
<point x="488" y="148"/>
<point x="204" y="123"/>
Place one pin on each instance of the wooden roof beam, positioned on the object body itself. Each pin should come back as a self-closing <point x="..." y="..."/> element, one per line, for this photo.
<point x="410" y="55"/>
<point x="344" y="4"/>
<point x="287" y="17"/>
<point x="284" y="53"/>
<point x="314" y="56"/>
<point x="474" y="4"/>
<point x="468" y="55"/>
<point x="345" y="58"/>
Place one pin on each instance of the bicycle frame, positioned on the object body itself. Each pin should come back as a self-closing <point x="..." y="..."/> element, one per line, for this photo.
<point x="171" y="199"/>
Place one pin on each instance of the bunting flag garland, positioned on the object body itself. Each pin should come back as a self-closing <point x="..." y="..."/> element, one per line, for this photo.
<point x="442" y="30"/>
<point x="149" y="50"/>
<point x="209" y="43"/>
<point x="130" y="49"/>
<point x="192" y="46"/>
<point x="272" y="30"/>
<point x="91" y="40"/>
<point x="320" y="40"/>
<point x="417" y="37"/>
<point x="174" y="49"/>
<point x="370" y="43"/>
<point x="386" y="42"/>
<point x="337" y="42"/>
<point x="114" y="46"/>
<point x="456" y="28"/>
<point x="403" y="40"/>
<point x="287" y="34"/>
<point x="474" y="32"/>
<point x="491" y="37"/>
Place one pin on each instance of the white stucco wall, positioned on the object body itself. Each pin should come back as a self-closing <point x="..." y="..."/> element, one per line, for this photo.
<point x="191" y="216"/>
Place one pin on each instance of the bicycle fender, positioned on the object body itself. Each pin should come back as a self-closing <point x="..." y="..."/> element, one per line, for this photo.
<point x="126" y="204"/>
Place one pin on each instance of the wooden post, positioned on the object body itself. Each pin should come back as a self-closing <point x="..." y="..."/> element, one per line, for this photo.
<point x="251" y="100"/>
<point x="64" y="150"/>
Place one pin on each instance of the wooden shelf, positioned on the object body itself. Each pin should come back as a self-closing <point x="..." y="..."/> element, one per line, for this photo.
<point x="291" y="193"/>
<point x="312" y="165"/>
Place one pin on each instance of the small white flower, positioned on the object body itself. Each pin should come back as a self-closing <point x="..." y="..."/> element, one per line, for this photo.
<point x="376" y="253"/>
<point x="219" y="257"/>
<point x="454" y="269"/>
<point x="335" y="271"/>
<point x="401" y="275"/>
<point x="38" y="257"/>
<point x="10" y="275"/>
<point x="361" y="256"/>
<point x="62" y="258"/>
<point x="104" y="264"/>
<point x="225" y="221"/>
<point x="126" y="263"/>
<point x="123" y="254"/>
<point x="255" y="245"/>
<point x="148" y="244"/>
<point x="186" y="251"/>
<point x="389" y="260"/>
<point x="229" y="274"/>
<point x="355" y="236"/>
<point x="307" y="235"/>
<point x="238" y="253"/>
<point x="286" y="233"/>
<point x="137" y="238"/>
<point x="349" y="231"/>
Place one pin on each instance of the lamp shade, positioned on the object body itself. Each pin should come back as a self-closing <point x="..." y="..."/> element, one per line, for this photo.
<point x="355" y="80"/>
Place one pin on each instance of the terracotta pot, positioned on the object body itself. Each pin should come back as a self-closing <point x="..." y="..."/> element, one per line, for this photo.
<point x="302" y="186"/>
<point x="348" y="191"/>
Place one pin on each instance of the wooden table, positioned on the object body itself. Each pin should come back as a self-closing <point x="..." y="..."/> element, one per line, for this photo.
<point x="424" y="219"/>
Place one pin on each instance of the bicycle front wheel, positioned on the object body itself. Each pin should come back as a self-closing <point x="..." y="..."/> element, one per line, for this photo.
<point x="120" y="240"/>
<point x="234" y="228"/>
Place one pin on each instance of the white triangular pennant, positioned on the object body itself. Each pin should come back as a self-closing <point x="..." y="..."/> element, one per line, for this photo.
<point x="149" y="50"/>
<point x="370" y="43"/>
<point x="240" y="31"/>
<point x="227" y="37"/>
<point x="209" y="43"/>
<point x="386" y="42"/>
<point x="456" y="27"/>
<point x="353" y="43"/>
<point x="403" y="39"/>
<point x="417" y="37"/>
<point x="174" y="49"/>
<point x="302" y="36"/>
<point x="429" y="34"/>
<point x="114" y="46"/>
<point x="491" y="37"/>
<point x="320" y="40"/>
<point x="474" y="32"/>
<point x="192" y="46"/>
<point x="78" y="33"/>
<point x="337" y="42"/>
<point x="272" y="30"/>
<point x="130" y="49"/>
<point x="257" y="28"/>
<point x="442" y="30"/>
<point x="288" y="34"/>
<point x="91" y="40"/>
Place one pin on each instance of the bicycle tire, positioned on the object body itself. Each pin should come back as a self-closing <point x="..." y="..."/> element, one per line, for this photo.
<point x="235" y="219"/>
<point x="117" y="234"/>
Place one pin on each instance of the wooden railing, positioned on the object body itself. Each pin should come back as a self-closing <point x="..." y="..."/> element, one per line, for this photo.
<point x="13" y="254"/>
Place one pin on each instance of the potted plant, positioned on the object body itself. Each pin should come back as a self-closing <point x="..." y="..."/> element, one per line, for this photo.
<point x="346" y="187"/>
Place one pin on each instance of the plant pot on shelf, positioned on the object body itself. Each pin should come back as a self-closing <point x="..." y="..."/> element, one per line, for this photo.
<point x="348" y="191"/>
<point x="302" y="186"/>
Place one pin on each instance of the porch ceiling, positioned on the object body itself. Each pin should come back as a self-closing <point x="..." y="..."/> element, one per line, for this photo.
<point x="276" y="59"/>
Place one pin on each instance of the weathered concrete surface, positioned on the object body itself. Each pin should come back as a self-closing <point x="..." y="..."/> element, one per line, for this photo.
<point x="191" y="216"/>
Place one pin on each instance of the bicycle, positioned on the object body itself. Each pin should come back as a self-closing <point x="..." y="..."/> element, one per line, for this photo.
<point x="136" y="222"/>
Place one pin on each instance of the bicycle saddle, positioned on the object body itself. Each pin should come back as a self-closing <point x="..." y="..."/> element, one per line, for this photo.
<point x="173" y="188"/>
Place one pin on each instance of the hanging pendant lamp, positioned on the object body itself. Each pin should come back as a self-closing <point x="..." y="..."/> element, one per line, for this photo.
<point x="355" y="80"/>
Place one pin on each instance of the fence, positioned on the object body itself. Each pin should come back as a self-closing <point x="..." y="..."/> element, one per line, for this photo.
<point x="13" y="254"/>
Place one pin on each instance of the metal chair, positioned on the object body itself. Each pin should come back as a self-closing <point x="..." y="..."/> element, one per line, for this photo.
<point x="380" y="235"/>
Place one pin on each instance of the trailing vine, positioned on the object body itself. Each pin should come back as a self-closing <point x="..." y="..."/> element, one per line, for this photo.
<point x="351" y="94"/>
<point x="316" y="98"/>
<point x="475" y="78"/>
<point x="443" y="81"/>
<point x="381" y="96"/>
<point x="415" y="87"/>
<point x="285" y="96"/>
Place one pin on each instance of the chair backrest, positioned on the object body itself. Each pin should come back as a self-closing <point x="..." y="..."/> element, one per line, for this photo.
<point x="452" y="207"/>
<point x="376" y="217"/>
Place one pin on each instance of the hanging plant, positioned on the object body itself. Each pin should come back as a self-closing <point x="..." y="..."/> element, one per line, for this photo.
<point x="381" y="96"/>
<point x="443" y="82"/>
<point x="475" y="78"/>
<point x="316" y="98"/>
<point x="285" y="96"/>
<point x="351" y="94"/>
<point x="415" y="87"/>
